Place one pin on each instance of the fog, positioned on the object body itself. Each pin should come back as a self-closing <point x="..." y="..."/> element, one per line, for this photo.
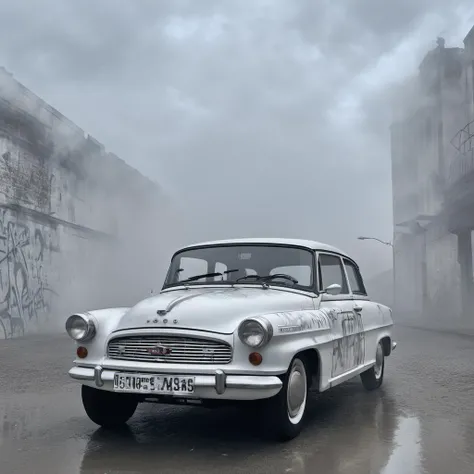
<point x="79" y="228"/>
<point x="256" y="118"/>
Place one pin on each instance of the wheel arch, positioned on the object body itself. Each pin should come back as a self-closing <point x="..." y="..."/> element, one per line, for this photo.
<point x="312" y="361"/>
<point x="386" y="342"/>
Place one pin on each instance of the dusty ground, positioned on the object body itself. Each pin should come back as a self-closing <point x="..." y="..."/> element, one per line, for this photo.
<point x="421" y="421"/>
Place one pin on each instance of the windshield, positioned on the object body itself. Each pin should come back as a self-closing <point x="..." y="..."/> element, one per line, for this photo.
<point x="271" y="264"/>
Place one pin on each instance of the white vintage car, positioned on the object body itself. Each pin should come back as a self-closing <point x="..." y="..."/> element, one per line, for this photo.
<point x="242" y="320"/>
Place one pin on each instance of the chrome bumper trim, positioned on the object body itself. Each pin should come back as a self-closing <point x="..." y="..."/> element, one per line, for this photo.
<point x="81" y="373"/>
<point x="98" y="376"/>
<point x="220" y="381"/>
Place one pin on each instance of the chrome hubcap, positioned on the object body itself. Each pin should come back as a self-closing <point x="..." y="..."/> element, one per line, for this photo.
<point x="378" y="362"/>
<point x="296" y="392"/>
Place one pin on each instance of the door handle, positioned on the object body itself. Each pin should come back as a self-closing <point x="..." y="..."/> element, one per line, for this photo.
<point x="358" y="308"/>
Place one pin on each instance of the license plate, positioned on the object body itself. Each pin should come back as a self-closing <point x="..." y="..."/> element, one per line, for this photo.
<point x="161" y="384"/>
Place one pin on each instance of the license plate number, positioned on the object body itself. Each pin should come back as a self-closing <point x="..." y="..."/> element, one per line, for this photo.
<point x="164" y="384"/>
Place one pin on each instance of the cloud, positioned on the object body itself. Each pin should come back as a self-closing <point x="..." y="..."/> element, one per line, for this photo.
<point x="262" y="117"/>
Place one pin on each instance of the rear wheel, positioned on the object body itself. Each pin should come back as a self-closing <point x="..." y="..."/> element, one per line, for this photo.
<point x="373" y="377"/>
<point x="284" y="414"/>
<point x="108" y="409"/>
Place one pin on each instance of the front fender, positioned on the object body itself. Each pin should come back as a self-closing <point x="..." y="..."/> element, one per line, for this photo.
<point x="293" y="332"/>
<point x="105" y="321"/>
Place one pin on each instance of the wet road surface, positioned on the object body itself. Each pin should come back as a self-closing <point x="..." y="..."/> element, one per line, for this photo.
<point x="420" y="421"/>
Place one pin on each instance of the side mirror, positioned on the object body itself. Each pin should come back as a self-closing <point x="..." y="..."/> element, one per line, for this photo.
<point x="333" y="289"/>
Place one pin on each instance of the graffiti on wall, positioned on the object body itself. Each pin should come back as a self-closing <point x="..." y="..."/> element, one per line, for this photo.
<point x="25" y="253"/>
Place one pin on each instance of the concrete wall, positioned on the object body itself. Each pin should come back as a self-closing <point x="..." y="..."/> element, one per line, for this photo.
<point x="427" y="269"/>
<point x="79" y="228"/>
<point x="444" y="279"/>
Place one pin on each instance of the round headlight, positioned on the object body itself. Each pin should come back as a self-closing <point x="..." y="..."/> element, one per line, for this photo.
<point x="80" y="327"/>
<point x="254" y="333"/>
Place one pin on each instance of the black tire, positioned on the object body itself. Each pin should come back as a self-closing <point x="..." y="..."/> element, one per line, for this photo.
<point x="373" y="377"/>
<point x="108" y="409"/>
<point x="278" y="423"/>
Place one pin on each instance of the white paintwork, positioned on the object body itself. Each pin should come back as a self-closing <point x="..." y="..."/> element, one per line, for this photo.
<point x="309" y="244"/>
<point x="344" y="339"/>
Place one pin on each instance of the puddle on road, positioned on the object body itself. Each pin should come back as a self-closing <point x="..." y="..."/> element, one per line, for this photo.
<point x="347" y="433"/>
<point x="407" y="455"/>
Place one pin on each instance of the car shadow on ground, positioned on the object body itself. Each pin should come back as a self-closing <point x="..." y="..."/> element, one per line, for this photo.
<point x="183" y="439"/>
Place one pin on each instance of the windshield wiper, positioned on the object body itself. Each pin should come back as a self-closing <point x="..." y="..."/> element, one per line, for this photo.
<point x="213" y="274"/>
<point x="204" y="275"/>
<point x="281" y="275"/>
<point x="269" y="277"/>
<point x="231" y="271"/>
<point x="257" y="277"/>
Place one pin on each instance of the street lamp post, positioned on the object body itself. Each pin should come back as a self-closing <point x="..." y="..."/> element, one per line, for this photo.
<point x="378" y="240"/>
<point x="389" y="244"/>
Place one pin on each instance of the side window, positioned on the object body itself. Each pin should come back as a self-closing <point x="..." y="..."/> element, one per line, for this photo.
<point x="355" y="278"/>
<point x="331" y="271"/>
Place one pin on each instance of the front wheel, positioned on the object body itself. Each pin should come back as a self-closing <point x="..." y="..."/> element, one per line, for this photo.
<point x="373" y="377"/>
<point x="108" y="409"/>
<point x="283" y="414"/>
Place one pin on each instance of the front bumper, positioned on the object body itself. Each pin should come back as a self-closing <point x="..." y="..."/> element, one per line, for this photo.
<point x="216" y="386"/>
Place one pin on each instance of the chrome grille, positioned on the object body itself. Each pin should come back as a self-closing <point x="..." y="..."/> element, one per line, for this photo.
<point x="184" y="350"/>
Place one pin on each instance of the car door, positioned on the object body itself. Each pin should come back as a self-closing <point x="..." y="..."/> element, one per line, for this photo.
<point x="340" y="307"/>
<point x="369" y="317"/>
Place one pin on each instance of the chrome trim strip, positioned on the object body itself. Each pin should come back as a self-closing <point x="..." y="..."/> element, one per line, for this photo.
<point x="299" y="291"/>
<point x="172" y="304"/>
<point x="348" y="375"/>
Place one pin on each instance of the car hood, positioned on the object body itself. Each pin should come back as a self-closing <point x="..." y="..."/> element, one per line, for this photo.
<point x="210" y="309"/>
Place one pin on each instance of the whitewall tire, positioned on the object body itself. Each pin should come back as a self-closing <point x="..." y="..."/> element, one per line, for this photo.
<point x="373" y="377"/>
<point x="284" y="414"/>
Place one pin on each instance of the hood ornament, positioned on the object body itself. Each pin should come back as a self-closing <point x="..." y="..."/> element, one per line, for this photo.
<point x="174" y="303"/>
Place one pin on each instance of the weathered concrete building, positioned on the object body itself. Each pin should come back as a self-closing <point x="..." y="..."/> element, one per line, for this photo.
<point x="380" y="287"/>
<point x="433" y="198"/>
<point x="79" y="228"/>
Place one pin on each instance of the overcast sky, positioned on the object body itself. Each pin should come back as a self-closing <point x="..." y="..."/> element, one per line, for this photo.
<point x="259" y="117"/>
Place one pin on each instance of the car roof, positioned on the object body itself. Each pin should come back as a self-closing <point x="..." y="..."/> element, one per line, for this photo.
<point x="310" y="244"/>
